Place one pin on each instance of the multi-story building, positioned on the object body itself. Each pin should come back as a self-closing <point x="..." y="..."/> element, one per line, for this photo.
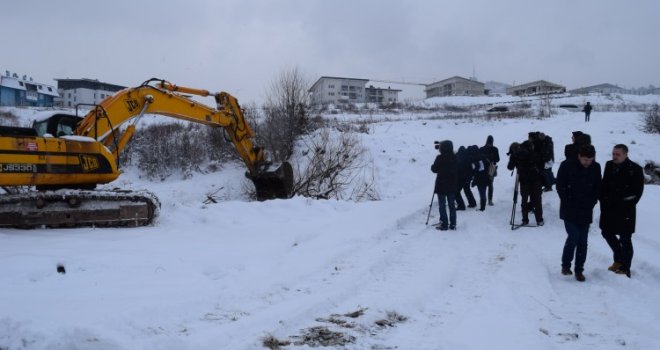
<point x="455" y="86"/>
<point x="535" y="88"/>
<point x="86" y="91"/>
<point x="381" y="95"/>
<point x="338" y="90"/>
<point x="24" y="91"/>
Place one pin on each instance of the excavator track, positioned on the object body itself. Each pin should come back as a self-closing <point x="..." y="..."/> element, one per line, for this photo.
<point x="76" y="208"/>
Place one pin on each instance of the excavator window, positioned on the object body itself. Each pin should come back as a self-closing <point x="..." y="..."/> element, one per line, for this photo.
<point x="57" y="125"/>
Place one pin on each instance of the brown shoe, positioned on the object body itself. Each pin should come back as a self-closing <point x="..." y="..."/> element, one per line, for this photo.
<point x="579" y="276"/>
<point x="615" y="266"/>
<point x="566" y="271"/>
<point x="621" y="271"/>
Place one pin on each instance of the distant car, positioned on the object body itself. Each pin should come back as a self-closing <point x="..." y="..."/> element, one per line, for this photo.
<point x="499" y="109"/>
<point x="570" y="107"/>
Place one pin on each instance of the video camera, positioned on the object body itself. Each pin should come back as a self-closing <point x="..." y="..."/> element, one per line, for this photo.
<point x="437" y="144"/>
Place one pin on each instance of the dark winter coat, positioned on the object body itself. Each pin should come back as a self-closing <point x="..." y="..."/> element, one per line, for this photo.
<point x="527" y="163"/>
<point x="578" y="188"/>
<point x="446" y="168"/>
<point x="480" y="168"/>
<point x="571" y="150"/>
<point x="587" y="108"/>
<point x="622" y="188"/>
<point x="491" y="152"/>
<point x="464" y="167"/>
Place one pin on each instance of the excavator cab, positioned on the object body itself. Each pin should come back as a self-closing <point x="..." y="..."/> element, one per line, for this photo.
<point x="57" y="125"/>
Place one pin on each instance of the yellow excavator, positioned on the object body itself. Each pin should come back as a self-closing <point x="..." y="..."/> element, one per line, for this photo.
<point x="65" y="156"/>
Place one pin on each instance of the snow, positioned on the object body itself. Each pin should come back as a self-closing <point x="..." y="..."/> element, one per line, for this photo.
<point x="226" y="275"/>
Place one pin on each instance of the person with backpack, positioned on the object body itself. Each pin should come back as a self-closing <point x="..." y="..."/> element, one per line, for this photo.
<point x="480" y="165"/>
<point x="493" y="155"/>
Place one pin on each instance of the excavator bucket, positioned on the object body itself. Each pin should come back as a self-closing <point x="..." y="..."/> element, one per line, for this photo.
<point x="274" y="182"/>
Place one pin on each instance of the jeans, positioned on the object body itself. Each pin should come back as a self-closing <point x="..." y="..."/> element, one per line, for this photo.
<point x="621" y="247"/>
<point x="490" y="190"/>
<point x="465" y="187"/>
<point x="482" y="196"/>
<point x="443" y="200"/>
<point x="548" y="178"/>
<point x="576" y="245"/>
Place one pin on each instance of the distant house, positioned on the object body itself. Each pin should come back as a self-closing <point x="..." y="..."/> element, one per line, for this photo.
<point x="87" y="91"/>
<point x="455" y="86"/>
<point x="24" y="91"/>
<point x="535" y="88"/>
<point x="338" y="90"/>
<point x="600" y="88"/>
<point x="381" y="95"/>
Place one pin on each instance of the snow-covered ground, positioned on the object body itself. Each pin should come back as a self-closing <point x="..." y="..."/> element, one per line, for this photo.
<point x="228" y="275"/>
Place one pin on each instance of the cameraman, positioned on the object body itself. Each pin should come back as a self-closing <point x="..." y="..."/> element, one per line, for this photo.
<point x="526" y="161"/>
<point x="446" y="182"/>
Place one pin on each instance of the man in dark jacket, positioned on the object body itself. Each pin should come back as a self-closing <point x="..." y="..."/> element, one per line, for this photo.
<point x="493" y="155"/>
<point x="587" y="111"/>
<point x="525" y="161"/>
<point x="623" y="184"/>
<point x="446" y="182"/>
<point x="480" y="165"/>
<point x="464" y="179"/>
<point x="578" y="186"/>
<point x="548" y="157"/>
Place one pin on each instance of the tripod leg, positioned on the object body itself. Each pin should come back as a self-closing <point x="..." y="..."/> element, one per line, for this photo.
<point x="430" y="206"/>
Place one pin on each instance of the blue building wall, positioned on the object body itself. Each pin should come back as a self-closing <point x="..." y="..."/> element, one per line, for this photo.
<point x="13" y="97"/>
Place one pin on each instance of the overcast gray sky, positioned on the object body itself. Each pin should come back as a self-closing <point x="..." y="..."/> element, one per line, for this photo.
<point x="240" y="46"/>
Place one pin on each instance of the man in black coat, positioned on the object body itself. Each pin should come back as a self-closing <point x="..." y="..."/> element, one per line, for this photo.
<point x="493" y="155"/>
<point x="578" y="186"/>
<point x="464" y="179"/>
<point x="623" y="184"/>
<point x="526" y="163"/>
<point x="446" y="182"/>
<point x="587" y="111"/>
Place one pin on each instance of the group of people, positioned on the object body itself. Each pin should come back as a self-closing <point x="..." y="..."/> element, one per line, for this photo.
<point x="471" y="166"/>
<point x="579" y="185"/>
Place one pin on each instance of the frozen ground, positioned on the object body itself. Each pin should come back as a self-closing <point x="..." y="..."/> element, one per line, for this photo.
<point x="228" y="275"/>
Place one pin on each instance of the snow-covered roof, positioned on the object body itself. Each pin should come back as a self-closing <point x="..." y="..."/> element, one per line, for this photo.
<point x="20" y="84"/>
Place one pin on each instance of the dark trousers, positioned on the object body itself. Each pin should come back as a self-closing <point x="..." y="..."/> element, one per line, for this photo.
<point x="548" y="178"/>
<point x="587" y="115"/>
<point x="482" y="196"/>
<point x="621" y="247"/>
<point x="490" y="191"/>
<point x="468" y="194"/>
<point x="575" y="246"/>
<point x="445" y="200"/>
<point x="530" y="193"/>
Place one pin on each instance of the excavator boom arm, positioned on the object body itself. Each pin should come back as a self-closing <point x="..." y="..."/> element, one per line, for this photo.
<point x="166" y="99"/>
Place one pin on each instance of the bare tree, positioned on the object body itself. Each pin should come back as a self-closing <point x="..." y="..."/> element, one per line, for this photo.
<point x="334" y="165"/>
<point x="285" y="113"/>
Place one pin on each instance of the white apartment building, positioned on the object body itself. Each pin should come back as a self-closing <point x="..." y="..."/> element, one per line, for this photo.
<point x="86" y="91"/>
<point x="338" y="90"/>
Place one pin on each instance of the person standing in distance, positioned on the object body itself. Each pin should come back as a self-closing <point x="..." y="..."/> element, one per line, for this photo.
<point x="578" y="186"/>
<point x="623" y="184"/>
<point x="587" y="111"/>
<point x="446" y="182"/>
